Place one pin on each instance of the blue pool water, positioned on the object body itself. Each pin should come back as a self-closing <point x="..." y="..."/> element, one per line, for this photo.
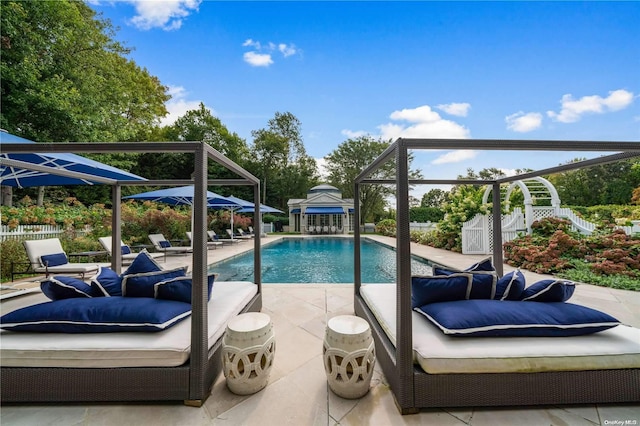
<point x="317" y="260"/>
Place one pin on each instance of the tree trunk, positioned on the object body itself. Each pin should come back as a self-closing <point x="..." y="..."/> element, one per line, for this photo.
<point x="40" y="201"/>
<point x="6" y="196"/>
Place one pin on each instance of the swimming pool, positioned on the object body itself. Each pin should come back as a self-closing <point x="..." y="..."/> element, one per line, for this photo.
<point x="317" y="260"/>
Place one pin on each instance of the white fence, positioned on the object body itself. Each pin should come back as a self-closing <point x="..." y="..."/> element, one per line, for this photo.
<point x="424" y="227"/>
<point x="35" y="232"/>
<point x="477" y="238"/>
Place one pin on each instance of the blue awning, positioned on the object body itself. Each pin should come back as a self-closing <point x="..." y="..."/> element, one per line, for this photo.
<point x="295" y="211"/>
<point x="324" y="210"/>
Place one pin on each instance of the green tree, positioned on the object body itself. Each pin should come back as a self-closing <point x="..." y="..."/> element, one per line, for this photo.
<point x="434" y="198"/>
<point x="195" y="125"/>
<point x="349" y="159"/>
<point x="65" y="78"/>
<point x="611" y="183"/>
<point x="280" y="160"/>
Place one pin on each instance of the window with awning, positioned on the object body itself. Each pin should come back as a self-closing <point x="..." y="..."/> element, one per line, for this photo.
<point x="324" y="210"/>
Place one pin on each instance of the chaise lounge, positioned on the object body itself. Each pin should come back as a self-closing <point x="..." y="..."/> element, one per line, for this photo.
<point x="47" y="257"/>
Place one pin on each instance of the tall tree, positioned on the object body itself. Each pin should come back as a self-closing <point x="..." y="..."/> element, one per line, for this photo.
<point x="195" y="125"/>
<point x="611" y="183"/>
<point x="434" y="198"/>
<point x="65" y="78"/>
<point x="347" y="161"/>
<point x="281" y="161"/>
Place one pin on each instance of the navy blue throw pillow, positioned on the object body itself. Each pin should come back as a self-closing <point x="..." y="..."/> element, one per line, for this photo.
<point x="125" y="249"/>
<point x="63" y="287"/>
<point x="97" y="315"/>
<point x="484" y="282"/>
<point x="56" y="259"/>
<point x="549" y="291"/>
<point x="143" y="263"/>
<point x="106" y="283"/>
<point x="142" y="285"/>
<point x="164" y="244"/>
<point x="425" y="289"/>
<point x="510" y="286"/>
<point x="180" y="289"/>
<point x="498" y="318"/>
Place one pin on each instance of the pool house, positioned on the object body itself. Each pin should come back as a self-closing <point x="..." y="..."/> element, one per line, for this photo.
<point x="324" y="211"/>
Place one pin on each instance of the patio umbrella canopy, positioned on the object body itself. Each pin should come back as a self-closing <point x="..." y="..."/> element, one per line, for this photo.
<point x="51" y="169"/>
<point x="183" y="195"/>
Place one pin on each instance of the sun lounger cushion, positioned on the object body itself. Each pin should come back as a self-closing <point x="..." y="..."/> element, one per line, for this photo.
<point x="510" y="286"/>
<point x="515" y="318"/>
<point x="106" y="283"/>
<point x="63" y="287"/>
<point x="449" y="287"/>
<point x="97" y="315"/>
<point x="143" y="263"/>
<point x="142" y="285"/>
<point x="55" y="259"/>
<point x="180" y="289"/>
<point x="549" y="291"/>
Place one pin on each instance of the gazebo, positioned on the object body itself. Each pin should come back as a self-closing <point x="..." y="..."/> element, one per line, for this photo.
<point x="324" y="211"/>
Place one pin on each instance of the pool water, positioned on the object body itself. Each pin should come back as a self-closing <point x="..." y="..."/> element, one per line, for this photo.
<point x="317" y="260"/>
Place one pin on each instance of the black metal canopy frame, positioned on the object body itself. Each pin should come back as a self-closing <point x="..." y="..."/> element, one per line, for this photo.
<point x="190" y="382"/>
<point x="412" y="387"/>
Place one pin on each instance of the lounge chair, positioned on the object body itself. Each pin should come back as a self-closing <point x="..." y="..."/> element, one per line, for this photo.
<point x="210" y="244"/>
<point x="48" y="257"/>
<point x="162" y="245"/>
<point x="236" y="237"/>
<point x="214" y="237"/>
<point x="325" y="229"/>
<point x="127" y="254"/>
<point x="243" y="234"/>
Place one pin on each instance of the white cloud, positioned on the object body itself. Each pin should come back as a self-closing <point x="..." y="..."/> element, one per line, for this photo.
<point x="287" y="49"/>
<point x="455" y="108"/>
<point x="165" y="14"/>
<point x="321" y="166"/>
<point x="178" y="105"/>
<point x="425" y="123"/>
<point x="572" y="110"/>
<point x="256" y="59"/>
<point x="521" y="122"/>
<point x="353" y="135"/>
<point x="262" y="55"/>
<point x="455" y="156"/>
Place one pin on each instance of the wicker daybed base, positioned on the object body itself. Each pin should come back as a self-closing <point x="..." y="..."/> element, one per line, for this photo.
<point x="423" y="390"/>
<point x="32" y="384"/>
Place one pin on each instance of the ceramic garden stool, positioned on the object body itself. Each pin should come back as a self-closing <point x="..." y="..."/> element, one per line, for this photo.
<point x="349" y="356"/>
<point x="248" y="347"/>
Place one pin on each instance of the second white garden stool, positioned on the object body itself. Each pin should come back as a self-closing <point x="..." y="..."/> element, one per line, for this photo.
<point x="248" y="348"/>
<point x="349" y="356"/>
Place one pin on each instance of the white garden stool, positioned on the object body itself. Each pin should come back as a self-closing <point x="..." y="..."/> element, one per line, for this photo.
<point x="349" y="356"/>
<point x="248" y="348"/>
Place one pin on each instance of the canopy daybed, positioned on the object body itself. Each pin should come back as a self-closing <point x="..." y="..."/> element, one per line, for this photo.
<point x="401" y="334"/>
<point x="191" y="379"/>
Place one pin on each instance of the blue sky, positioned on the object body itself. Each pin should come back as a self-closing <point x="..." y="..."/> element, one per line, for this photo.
<point x="496" y="70"/>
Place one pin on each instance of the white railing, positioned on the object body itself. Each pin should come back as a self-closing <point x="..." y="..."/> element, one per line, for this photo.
<point x="422" y="226"/>
<point x="35" y="232"/>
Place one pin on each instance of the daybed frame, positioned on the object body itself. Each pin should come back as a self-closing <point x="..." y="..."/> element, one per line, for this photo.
<point x="190" y="382"/>
<point x="412" y="387"/>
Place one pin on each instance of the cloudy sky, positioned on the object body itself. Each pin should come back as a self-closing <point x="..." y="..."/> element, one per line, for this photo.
<point x="503" y="70"/>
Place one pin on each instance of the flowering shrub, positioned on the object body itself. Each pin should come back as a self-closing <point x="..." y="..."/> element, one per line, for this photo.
<point x="386" y="227"/>
<point x="607" y="251"/>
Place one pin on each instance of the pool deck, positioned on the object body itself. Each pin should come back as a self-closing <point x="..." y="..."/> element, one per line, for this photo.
<point x="297" y="393"/>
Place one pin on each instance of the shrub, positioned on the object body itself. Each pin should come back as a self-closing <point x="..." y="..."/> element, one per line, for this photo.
<point x="386" y="227"/>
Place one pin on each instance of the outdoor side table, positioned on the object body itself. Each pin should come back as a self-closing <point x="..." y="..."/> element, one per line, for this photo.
<point x="349" y="356"/>
<point x="248" y="348"/>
